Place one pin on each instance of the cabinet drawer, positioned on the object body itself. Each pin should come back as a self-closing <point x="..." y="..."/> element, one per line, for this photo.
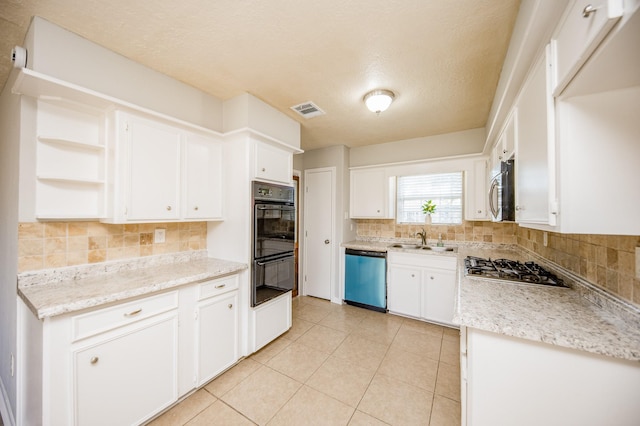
<point x="580" y="34"/>
<point x="218" y="286"/>
<point x="95" y="322"/>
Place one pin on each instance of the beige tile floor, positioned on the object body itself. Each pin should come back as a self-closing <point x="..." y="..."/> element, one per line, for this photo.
<point x="338" y="365"/>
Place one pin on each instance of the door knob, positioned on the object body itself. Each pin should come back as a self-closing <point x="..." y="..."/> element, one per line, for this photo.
<point x="326" y="241"/>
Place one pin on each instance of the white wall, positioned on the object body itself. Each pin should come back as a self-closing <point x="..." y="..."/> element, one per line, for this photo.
<point x="247" y="111"/>
<point x="450" y="144"/>
<point x="62" y="54"/>
<point x="9" y="160"/>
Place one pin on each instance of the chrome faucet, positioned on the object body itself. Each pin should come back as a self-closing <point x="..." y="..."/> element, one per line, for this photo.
<point x="423" y="236"/>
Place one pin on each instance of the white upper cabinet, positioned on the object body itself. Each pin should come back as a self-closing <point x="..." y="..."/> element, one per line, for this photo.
<point x="272" y="163"/>
<point x="162" y="172"/>
<point x="534" y="167"/>
<point x="585" y="24"/>
<point x="152" y="175"/>
<point x="373" y="194"/>
<point x="476" y="191"/>
<point x="202" y="178"/>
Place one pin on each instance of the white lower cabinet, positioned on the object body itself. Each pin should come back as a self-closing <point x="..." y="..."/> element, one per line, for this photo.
<point x="127" y="378"/>
<point x="421" y="286"/>
<point x="270" y="320"/>
<point x="125" y="363"/>
<point x="438" y="293"/>
<point x="403" y="290"/>
<point x="511" y="381"/>
<point x="217" y="335"/>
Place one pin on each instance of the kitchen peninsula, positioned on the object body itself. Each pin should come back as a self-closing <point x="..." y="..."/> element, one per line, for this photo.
<point x="525" y="345"/>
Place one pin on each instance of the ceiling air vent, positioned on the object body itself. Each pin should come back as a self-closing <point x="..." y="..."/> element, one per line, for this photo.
<point x="308" y="109"/>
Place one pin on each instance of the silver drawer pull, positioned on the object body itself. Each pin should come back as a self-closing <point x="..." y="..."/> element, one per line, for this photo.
<point x="94" y="360"/>
<point x="168" y="208"/>
<point x="220" y="286"/>
<point x="588" y="10"/>
<point x="133" y="313"/>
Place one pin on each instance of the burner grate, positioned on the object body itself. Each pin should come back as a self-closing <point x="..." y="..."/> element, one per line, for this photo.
<point x="511" y="270"/>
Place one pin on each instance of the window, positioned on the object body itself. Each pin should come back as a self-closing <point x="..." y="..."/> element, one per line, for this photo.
<point x="444" y="189"/>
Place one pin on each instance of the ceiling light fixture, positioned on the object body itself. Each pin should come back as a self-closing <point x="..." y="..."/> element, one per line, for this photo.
<point x="378" y="100"/>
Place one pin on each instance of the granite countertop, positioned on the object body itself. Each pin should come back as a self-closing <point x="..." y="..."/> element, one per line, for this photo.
<point x="50" y="293"/>
<point x="582" y="317"/>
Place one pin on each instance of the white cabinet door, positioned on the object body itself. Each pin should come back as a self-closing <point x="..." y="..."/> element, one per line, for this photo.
<point x="217" y="335"/>
<point x="585" y="25"/>
<point x="273" y="164"/>
<point x="202" y="184"/>
<point x="372" y="194"/>
<point x="154" y="170"/>
<point x="128" y="378"/>
<point x="438" y="295"/>
<point x="534" y="142"/>
<point x="477" y="198"/>
<point x="403" y="290"/>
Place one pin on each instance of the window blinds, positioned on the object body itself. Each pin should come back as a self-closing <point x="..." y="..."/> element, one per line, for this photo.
<point x="444" y="189"/>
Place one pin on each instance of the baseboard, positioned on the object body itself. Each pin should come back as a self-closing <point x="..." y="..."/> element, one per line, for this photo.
<point x="5" y="407"/>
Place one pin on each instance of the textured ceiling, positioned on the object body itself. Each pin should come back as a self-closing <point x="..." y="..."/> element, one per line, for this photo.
<point x="441" y="58"/>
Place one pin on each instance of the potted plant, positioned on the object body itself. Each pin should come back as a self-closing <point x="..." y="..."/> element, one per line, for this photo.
<point x="428" y="209"/>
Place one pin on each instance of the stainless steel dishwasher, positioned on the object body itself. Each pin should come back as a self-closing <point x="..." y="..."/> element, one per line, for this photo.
<point x="365" y="281"/>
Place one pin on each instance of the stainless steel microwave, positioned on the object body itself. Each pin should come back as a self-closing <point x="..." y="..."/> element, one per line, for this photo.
<point x="502" y="193"/>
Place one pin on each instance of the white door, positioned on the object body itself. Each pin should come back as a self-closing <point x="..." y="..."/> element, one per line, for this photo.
<point x="318" y="232"/>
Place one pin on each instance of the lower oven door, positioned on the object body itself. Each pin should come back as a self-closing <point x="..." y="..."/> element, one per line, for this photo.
<point x="272" y="277"/>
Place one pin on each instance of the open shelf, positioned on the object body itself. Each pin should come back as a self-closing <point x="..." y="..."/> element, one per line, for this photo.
<point x="70" y="143"/>
<point x="71" y="180"/>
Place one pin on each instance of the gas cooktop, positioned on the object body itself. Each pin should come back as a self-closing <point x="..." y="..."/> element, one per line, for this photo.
<point x="510" y="270"/>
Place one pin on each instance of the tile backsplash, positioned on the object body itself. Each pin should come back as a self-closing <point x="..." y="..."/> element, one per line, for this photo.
<point x="469" y="231"/>
<point x="608" y="261"/>
<point x="44" y="245"/>
<point x="605" y="260"/>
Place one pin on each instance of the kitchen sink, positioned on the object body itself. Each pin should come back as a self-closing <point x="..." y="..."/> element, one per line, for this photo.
<point x="406" y="246"/>
<point x="438" y="248"/>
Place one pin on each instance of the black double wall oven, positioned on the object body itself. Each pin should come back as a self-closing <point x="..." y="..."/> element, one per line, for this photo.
<point x="274" y="227"/>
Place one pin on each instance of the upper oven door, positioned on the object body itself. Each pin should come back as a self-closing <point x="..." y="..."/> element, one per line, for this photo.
<point x="274" y="229"/>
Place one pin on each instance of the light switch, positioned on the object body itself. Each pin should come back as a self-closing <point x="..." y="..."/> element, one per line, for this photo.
<point x="159" y="235"/>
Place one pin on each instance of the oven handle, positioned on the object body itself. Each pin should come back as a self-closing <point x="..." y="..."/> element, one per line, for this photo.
<point x="279" y="259"/>
<point x="274" y="207"/>
<point x="494" y="184"/>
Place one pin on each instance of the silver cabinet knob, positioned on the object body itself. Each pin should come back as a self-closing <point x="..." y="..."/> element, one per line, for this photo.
<point x="94" y="360"/>
<point x="479" y="211"/>
<point x="588" y="10"/>
<point x="413" y="275"/>
<point x="431" y="277"/>
<point x="326" y="241"/>
<point x="168" y="208"/>
<point x="230" y="305"/>
<point x="196" y="208"/>
<point x="264" y="169"/>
